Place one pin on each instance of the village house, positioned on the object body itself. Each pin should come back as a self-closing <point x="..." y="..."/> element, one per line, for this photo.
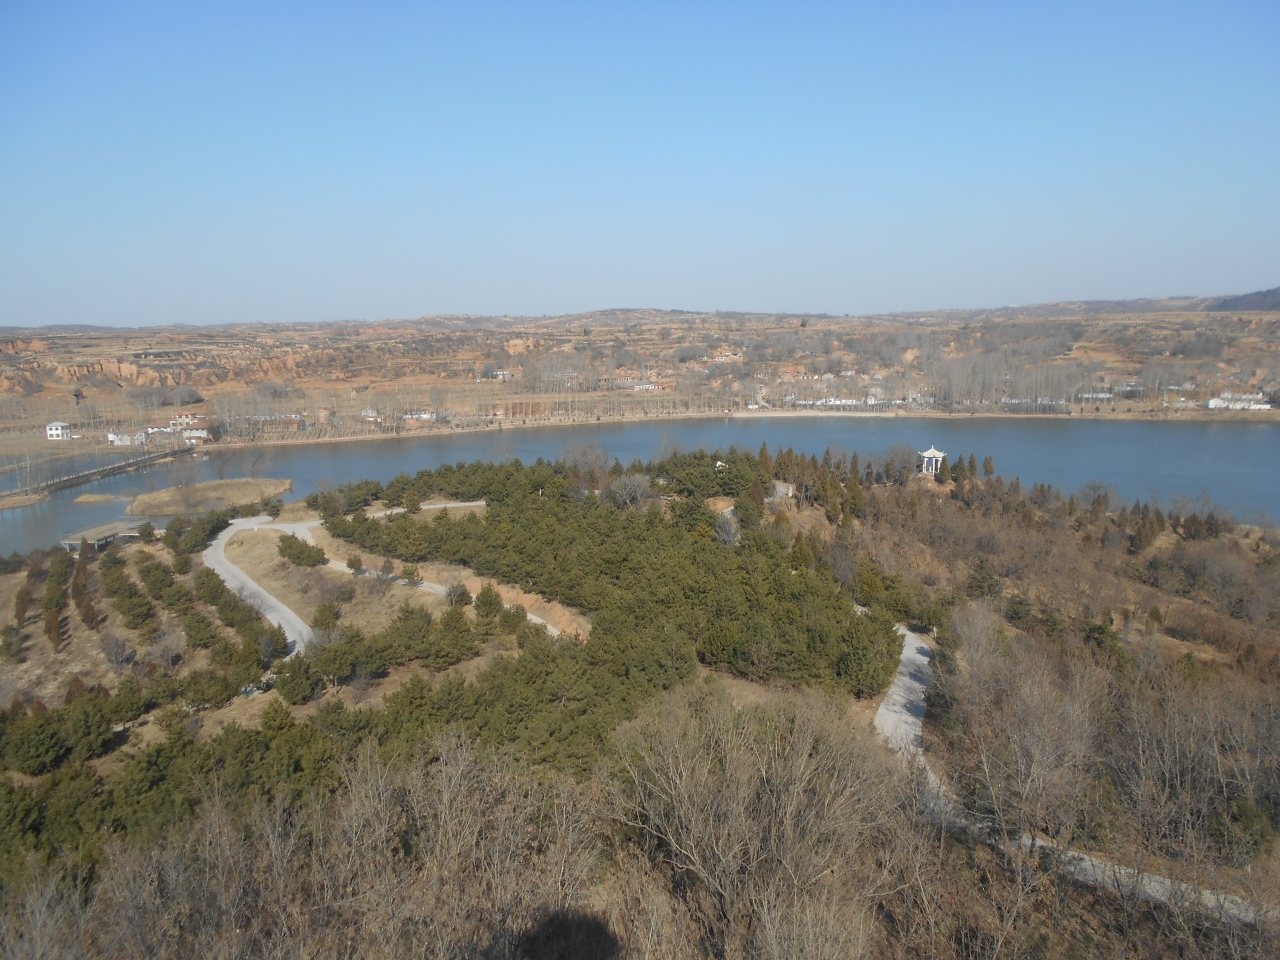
<point x="199" y="431"/>
<point x="138" y="439"/>
<point x="278" y="422"/>
<point x="1239" y="401"/>
<point x="58" y="430"/>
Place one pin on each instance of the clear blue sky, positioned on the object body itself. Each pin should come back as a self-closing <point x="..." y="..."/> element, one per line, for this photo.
<point x="207" y="162"/>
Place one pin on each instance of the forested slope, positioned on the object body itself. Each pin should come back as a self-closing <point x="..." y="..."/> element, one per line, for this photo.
<point x="589" y="796"/>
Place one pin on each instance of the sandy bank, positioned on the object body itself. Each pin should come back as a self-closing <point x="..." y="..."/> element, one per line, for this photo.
<point x="210" y="495"/>
<point x="13" y="501"/>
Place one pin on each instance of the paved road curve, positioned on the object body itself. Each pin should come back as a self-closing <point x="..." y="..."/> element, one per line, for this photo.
<point x="297" y="632"/>
<point x="900" y="721"/>
<point x="215" y="558"/>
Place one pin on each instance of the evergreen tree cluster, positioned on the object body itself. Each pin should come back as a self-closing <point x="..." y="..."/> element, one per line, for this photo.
<point x="346" y="498"/>
<point x="833" y="483"/>
<point x="80" y="594"/>
<point x="54" y="599"/>
<point x="653" y="581"/>
<point x="186" y="535"/>
<point x="414" y="636"/>
<point x="300" y="553"/>
<point x="38" y="740"/>
<point x="261" y="643"/>
<point x="130" y="602"/>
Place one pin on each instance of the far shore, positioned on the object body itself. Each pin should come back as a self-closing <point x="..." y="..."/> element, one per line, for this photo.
<point x="499" y="425"/>
<point x="15" y="501"/>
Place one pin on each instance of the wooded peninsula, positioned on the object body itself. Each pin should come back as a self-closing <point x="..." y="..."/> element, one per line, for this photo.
<point x="676" y="757"/>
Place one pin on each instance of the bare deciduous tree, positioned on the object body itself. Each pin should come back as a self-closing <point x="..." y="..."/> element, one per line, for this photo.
<point x="631" y="489"/>
<point x="767" y="818"/>
<point x="115" y="649"/>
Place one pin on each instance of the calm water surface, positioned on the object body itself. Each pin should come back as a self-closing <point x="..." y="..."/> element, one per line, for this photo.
<point x="1231" y="466"/>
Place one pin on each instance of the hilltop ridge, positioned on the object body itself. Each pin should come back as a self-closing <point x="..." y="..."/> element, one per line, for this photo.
<point x="1260" y="300"/>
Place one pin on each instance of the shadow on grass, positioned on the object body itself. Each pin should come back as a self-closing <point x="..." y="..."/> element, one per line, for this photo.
<point x="566" y="934"/>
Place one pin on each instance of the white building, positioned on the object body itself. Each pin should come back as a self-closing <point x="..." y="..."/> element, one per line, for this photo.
<point x="57" y="431"/>
<point x="138" y="439"/>
<point x="931" y="461"/>
<point x="1239" y="401"/>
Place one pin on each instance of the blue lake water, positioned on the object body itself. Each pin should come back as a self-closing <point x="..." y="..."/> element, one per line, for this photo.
<point x="1233" y="466"/>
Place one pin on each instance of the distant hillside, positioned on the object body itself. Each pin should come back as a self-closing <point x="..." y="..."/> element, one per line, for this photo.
<point x="621" y="318"/>
<point x="1261" y="300"/>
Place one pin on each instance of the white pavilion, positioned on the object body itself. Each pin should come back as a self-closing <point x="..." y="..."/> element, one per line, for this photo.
<point x="930" y="461"/>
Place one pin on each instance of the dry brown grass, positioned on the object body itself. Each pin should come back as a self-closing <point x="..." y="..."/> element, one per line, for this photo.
<point x="245" y="712"/>
<point x="457" y="510"/>
<point x="9" y="584"/>
<point x="44" y="673"/>
<point x="304" y="589"/>
<point x="563" y="618"/>
<point x="810" y="520"/>
<point x="210" y="495"/>
<point x="750" y="694"/>
<point x="142" y="734"/>
<point x="296" y="512"/>
<point x="13" y="501"/>
<point x="336" y="549"/>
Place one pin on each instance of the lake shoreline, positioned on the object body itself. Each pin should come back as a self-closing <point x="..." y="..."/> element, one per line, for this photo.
<point x="496" y="426"/>
<point x="1177" y="464"/>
